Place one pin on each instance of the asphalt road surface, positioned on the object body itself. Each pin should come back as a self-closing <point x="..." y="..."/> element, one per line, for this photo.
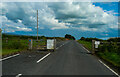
<point x="70" y="58"/>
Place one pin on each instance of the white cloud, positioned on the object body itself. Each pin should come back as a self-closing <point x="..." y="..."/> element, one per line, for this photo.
<point x="81" y="16"/>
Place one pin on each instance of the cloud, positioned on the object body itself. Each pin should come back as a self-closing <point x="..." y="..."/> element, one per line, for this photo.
<point x="81" y="15"/>
<point x="10" y="26"/>
<point x="59" y="15"/>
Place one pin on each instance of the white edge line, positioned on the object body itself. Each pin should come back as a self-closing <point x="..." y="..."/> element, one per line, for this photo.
<point x="43" y="57"/>
<point x="86" y="49"/>
<point x="18" y="75"/>
<point x="9" y="57"/>
<point x="106" y="65"/>
<point x="109" y="68"/>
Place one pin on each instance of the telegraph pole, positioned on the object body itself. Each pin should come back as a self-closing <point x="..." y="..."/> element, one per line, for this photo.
<point x="4" y="30"/>
<point x="37" y="25"/>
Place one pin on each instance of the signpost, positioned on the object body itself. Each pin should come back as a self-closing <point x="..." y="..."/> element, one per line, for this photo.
<point x="97" y="43"/>
<point x="94" y="45"/>
<point x="51" y="44"/>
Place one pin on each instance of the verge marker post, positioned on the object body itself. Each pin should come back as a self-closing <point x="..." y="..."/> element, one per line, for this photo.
<point x="54" y="44"/>
<point x="93" y="46"/>
<point x="30" y="44"/>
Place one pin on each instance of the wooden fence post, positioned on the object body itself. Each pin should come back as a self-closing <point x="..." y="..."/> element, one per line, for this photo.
<point x="7" y="40"/>
<point x="30" y="44"/>
<point x="0" y="33"/>
<point x="93" y="46"/>
<point x="54" y="44"/>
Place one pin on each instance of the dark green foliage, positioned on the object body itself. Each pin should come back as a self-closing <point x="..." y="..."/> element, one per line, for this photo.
<point x="111" y="57"/>
<point x="109" y="47"/>
<point x="69" y="37"/>
<point x="21" y="37"/>
<point x="114" y="39"/>
<point x="89" y="39"/>
<point x="15" y="44"/>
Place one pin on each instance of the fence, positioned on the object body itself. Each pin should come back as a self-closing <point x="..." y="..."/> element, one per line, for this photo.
<point x="43" y="44"/>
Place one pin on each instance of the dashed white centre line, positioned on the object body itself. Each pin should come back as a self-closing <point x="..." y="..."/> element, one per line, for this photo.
<point x="43" y="58"/>
<point x="18" y="75"/>
<point x="9" y="57"/>
<point x="109" y="68"/>
<point x="61" y="45"/>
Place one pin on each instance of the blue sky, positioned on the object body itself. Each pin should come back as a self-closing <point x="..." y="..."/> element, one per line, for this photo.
<point x="80" y="19"/>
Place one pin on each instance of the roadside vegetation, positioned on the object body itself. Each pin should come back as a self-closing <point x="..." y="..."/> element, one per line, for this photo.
<point x="109" y="50"/>
<point x="86" y="44"/>
<point x="12" y="44"/>
<point x="69" y="37"/>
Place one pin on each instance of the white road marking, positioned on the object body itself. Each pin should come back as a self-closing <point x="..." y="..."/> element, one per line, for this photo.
<point x="109" y="68"/>
<point x="86" y="49"/>
<point x="43" y="57"/>
<point x="9" y="57"/>
<point x="18" y="75"/>
<point x="61" y="45"/>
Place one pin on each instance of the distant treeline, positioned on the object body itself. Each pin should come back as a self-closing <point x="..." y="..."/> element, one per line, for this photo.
<point x="70" y="37"/>
<point x="90" y="39"/>
<point x="4" y="36"/>
<point x="116" y="39"/>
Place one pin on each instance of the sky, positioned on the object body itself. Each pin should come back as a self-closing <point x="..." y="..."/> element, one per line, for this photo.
<point x="80" y="19"/>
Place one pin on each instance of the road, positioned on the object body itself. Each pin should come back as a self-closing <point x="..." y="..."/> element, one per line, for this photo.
<point x="70" y="58"/>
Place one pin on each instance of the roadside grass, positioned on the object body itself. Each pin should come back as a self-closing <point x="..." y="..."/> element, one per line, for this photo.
<point x="111" y="57"/>
<point x="107" y="52"/>
<point x="35" y="43"/>
<point x="18" y="43"/>
<point x="10" y="51"/>
<point x="86" y="44"/>
<point x="15" y="45"/>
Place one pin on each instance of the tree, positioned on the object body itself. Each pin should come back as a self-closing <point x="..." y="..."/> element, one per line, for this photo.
<point x="69" y="37"/>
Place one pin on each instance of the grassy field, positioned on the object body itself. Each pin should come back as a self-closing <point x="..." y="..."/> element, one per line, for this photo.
<point x="108" y="52"/>
<point x="13" y="46"/>
<point x="16" y="44"/>
<point x="86" y="44"/>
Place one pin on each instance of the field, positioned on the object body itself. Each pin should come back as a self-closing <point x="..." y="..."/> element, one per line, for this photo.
<point x="12" y="44"/>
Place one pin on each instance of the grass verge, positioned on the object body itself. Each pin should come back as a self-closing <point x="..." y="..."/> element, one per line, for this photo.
<point x="10" y="51"/>
<point x="86" y="44"/>
<point x="111" y="57"/>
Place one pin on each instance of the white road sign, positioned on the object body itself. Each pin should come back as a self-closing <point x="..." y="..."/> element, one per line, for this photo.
<point x="50" y="43"/>
<point x="97" y="43"/>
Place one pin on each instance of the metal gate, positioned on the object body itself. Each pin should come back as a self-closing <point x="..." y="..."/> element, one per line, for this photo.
<point x="42" y="44"/>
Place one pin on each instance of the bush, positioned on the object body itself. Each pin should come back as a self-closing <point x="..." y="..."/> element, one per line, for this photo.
<point x="15" y="44"/>
<point x="109" y="48"/>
